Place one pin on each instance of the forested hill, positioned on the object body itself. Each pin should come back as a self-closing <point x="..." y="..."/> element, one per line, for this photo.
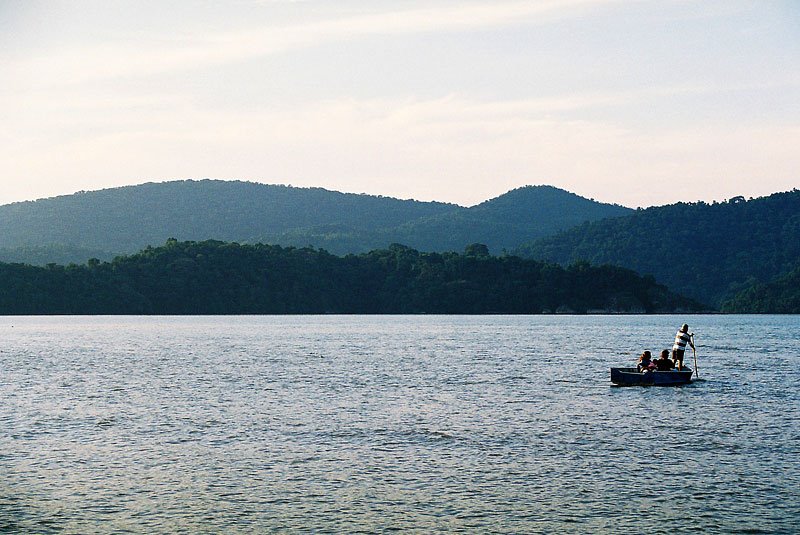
<point x="226" y="278"/>
<point x="129" y="218"/>
<point x="707" y="251"/>
<point x="781" y="296"/>
<point x="517" y="217"/>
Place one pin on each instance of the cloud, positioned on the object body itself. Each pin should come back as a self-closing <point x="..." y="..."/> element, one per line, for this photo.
<point x="66" y="128"/>
<point x="170" y="53"/>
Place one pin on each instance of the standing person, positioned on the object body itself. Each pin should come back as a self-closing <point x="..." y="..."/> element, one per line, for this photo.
<point x="679" y="347"/>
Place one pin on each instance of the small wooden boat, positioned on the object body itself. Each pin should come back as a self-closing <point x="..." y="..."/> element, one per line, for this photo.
<point x="631" y="377"/>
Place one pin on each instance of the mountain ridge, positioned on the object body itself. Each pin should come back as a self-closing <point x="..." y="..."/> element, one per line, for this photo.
<point x="128" y="218"/>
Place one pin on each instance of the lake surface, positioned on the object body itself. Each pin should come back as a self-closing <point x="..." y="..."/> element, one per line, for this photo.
<point x="491" y="424"/>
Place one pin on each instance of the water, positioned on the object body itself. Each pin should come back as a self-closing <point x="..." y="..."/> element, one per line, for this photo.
<point x="403" y="423"/>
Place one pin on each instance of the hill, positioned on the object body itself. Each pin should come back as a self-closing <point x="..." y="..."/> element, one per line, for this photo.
<point x="129" y="218"/>
<point x="226" y="278"/>
<point x="781" y="296"/>
<point x="503" y="223"/>
<point x="707" y="251"/>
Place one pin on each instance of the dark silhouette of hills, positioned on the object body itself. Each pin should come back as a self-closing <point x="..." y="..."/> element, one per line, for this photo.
<point x="214" y="277"/>
<point x="123" y="220"/>
<point x="707" y="251"/>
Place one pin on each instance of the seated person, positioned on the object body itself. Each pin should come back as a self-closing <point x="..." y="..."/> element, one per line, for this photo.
<point x="645" y="362"/>
<point x="664" y="364"/>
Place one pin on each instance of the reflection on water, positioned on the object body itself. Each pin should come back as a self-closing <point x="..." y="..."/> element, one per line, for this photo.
<point x="426" y="423"/>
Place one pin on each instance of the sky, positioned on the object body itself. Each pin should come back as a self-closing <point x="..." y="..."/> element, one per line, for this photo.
<point x="632" y="102"/>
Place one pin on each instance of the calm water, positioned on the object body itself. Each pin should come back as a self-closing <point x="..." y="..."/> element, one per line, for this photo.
<point x="426" y="424"/>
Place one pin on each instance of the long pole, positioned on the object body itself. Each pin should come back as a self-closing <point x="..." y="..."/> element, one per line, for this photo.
<point x="694" y="350"/>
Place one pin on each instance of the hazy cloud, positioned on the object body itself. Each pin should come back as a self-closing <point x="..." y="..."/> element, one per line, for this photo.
<point x="672" y="103"/>
<point x="148" y="54"/>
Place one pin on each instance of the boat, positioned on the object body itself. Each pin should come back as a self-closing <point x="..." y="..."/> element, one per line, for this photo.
<point x="632" y="377"/>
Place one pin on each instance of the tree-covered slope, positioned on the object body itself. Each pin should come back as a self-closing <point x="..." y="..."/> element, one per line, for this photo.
<point x="503" y="223"/>
<point x="129" y="218"/>
<point x="41" y="255"/>
<point x="781" y="296"/>
<point x="226" y="278"/>
<point x="707" y="251"/>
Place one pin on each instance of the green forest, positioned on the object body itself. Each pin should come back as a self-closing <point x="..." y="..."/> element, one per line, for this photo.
<point x="781" y="296"/>
<point x="126" y="219"/>
<point x="707" y="251"/>
<point x="213" y="277"/>
<point x="734" y="256"/>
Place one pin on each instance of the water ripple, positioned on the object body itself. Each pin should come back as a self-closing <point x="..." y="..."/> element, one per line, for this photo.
<point x="379" y="424"/>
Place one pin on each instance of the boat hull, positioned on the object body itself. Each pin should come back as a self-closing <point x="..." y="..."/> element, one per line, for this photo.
<point x="632" y="377"/>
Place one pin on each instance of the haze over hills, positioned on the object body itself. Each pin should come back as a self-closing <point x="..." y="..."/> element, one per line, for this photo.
<point x="128" y="218"/>
<point x="707" y="251"/>
<point x="73" y="228"/>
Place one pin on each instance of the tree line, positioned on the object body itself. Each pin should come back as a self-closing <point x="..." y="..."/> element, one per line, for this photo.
<point x="213" y="277"/>
<point x="781" y="296"/>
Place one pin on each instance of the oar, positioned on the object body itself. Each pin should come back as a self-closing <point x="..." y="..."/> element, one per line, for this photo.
<point x="694" y="350"/>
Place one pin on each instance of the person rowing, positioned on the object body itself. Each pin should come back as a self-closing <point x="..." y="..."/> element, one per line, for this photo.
<point x="679" y="347"/>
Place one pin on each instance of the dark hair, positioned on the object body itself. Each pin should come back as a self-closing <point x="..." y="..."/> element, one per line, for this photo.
<point x="665" y="353"/>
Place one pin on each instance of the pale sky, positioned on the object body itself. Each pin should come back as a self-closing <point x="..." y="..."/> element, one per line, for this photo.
<point x="634" y="102"/>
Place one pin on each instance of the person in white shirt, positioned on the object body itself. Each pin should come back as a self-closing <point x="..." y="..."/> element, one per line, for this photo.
<point x="679" y="347"/>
